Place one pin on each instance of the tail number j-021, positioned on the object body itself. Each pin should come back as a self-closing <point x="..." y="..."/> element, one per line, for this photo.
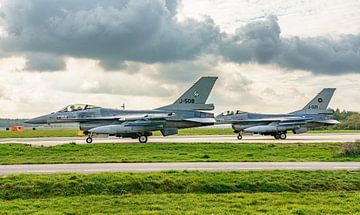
<point x="187" y="101"/>
<point x="313" y="107"/>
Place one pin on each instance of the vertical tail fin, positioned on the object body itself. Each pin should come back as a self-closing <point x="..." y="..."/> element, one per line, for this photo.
<point x="319" y="103"/>
<point x="195" y="97"/>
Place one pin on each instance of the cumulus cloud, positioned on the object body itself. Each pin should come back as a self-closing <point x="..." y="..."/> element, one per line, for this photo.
<point x="262" y="43"/>
<point x="2" y="94"/>
<point x="44" y="62"/>
<point x="117" y="31"/>
<point x="82" y="77"/>
<point x="112" y="31"/>
<point x="185" y="70"/>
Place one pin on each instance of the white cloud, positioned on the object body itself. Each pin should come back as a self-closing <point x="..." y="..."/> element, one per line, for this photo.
<point x="296" y="17"/>
<point x="242" y="87"/>
<point x="279" y="91"/>
<point x="144" y="84"/>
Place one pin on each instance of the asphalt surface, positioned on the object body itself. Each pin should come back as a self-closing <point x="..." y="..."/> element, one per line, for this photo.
<point x="301" y="138"/>
<point x="155" y="167"/>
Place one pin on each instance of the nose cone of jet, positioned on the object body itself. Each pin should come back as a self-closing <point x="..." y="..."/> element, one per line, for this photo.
<point x="38" y="120"/>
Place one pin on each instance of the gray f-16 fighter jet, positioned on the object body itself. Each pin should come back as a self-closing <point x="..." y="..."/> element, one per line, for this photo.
<point x="314" y="114"/>
<point x="183" y="113"/>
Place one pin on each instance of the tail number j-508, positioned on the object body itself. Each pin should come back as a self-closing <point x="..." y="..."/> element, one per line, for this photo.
<point x="187" y="101"/>
<point x="313" y="107"/>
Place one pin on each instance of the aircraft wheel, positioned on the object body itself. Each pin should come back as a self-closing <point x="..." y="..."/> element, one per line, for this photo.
<point x="89" y="140"/>
<point x="239" y="137"/>
<point x="143" y="139"/>
<point x="277" y="136"/>
<point x="283" y="136"/>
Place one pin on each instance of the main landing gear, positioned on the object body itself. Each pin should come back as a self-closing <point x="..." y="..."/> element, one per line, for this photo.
<point x="281" y="136"/>
<point x="143" y="139"/>
<point x="277" y="136"/>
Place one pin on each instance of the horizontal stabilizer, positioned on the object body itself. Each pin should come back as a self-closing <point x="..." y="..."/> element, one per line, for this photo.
<point x="328" y="121"/>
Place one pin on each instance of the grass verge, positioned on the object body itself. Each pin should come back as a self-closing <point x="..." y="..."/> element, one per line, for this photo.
<point x="172" y="152"/>
<point x="233" y="203"/>
<point x="41" y="133"/>
<point x="173" y="192"/>
<point x="56" y="185"/>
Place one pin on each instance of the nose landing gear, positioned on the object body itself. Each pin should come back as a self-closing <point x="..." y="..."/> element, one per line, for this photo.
<point x="89" y="139"/>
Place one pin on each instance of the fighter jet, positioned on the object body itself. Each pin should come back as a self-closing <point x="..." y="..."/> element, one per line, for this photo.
<point x="189" y="110"/>
<point x="314" y="114"/>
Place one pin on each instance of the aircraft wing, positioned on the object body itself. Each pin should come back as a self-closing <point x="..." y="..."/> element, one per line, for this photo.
<point x="136" y="117"/>
<point x="280" y="119"/>
<point x="202" y="120"/>
<point x="271" y="125"/>
<point x="144" y="124"/>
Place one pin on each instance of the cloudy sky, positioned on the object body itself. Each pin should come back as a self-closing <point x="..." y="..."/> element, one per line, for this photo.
<point x="270" y="56"/>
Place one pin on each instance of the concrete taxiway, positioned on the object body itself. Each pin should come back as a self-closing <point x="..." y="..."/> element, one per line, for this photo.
<point x="302" y="138"/>
<point x="155" y="167"/>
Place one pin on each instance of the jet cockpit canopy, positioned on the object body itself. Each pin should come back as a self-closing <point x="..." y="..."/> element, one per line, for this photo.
<point x="229" y="112"/>
<point x="78" y="107"/>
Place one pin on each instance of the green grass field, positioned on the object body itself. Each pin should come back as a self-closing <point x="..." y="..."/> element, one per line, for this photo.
<point x="40" y="133"/>
<point x="190" y="192"/>
<point x="75" y="133"/>
<point x="234" y="203"/>
<point x="171" y="152"/>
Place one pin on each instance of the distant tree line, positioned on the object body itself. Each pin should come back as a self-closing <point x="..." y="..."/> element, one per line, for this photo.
<point x="10" y="122"/>
<point x="6" y="123"/>
<point x="349" y="120"/>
